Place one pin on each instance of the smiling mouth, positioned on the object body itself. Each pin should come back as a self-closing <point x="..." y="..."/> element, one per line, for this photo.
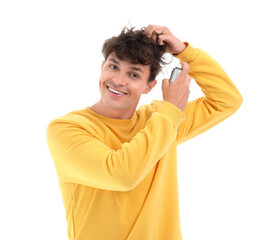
<point x="119" y="93"/>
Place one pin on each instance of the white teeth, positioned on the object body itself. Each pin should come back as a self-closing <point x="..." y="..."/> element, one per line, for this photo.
<point x="114" y="91"/>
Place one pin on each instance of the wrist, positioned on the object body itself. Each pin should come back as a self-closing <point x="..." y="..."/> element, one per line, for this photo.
<point x="180" y="49"/>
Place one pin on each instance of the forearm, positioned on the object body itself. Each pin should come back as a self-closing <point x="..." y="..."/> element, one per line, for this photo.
<point x="82" y="158"/>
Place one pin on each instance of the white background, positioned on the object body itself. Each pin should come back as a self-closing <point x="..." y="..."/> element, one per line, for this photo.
<point x="50" y="59"/>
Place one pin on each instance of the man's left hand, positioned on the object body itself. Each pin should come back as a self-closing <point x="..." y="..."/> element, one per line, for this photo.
<point x="162" y="35"/>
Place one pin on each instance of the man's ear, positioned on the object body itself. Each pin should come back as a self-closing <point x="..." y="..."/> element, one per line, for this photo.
<point x="102" y="64"/>
<point x="150" y="86"/>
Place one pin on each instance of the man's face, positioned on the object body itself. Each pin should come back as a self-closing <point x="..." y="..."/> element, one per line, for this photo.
<point x="122" y="84"/>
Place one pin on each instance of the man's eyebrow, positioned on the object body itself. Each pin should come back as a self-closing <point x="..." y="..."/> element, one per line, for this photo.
<point x="136" y="69"/>
<point x="114" y="61"/>
<point x="131" y="68"/>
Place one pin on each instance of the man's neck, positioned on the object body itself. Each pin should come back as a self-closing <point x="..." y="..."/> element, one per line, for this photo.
<point x="101" y="109"/>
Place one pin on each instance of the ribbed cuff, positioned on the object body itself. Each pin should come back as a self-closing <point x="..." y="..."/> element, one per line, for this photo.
<point x="188" y="55"/>
<point x="173" y="113"/>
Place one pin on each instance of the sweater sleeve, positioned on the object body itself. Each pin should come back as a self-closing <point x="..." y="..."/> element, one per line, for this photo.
<point x="221" y="97"/>
<point x="81" y="158"/>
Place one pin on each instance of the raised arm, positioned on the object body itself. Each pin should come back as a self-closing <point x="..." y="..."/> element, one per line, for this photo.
<point x="221" y="98"/>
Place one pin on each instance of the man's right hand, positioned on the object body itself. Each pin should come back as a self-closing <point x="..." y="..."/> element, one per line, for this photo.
<point x="178" y="91"/>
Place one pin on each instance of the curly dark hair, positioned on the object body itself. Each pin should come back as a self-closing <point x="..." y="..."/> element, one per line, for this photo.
<point x="134" y="46"/>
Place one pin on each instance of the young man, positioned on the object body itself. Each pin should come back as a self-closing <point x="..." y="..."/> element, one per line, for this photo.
<point x="116" y="164"/>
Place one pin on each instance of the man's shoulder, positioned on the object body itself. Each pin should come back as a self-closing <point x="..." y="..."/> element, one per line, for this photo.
<point x="77" y="117"/>
<point x="148" y="109"/>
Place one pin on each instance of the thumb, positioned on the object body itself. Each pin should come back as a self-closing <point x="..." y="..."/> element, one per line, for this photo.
<point x="165" y="82"/>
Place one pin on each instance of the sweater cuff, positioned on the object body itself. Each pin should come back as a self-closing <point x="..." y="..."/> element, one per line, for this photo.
<point x="188" y="55"/>
<point x="173" y="113"/>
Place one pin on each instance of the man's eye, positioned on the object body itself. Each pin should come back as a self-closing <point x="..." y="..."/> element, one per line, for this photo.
<point x="113" y="66"/>
<point x="134" y="75"/>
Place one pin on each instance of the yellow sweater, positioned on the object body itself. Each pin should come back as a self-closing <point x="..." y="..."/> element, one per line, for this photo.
<point x="118" y="178"/>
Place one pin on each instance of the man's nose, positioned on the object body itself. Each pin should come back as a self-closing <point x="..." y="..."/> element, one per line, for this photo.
<point x="120" y="79"/>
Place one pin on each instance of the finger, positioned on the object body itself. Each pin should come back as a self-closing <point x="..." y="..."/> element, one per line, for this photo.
<point x="185" y="70"/>
<point x="161" y="40"/>
<point x="154" y="36"/>
<point x="165" y="82"/>
<point x="189" y="79"/>
<point x="152" y="27"/>
<point x="152" y="30"/>
<point x="149" y="30"/>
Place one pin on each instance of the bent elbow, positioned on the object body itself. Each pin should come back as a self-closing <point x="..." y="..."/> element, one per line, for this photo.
<point x="231" y="103"/>
<point x="127" y="185"/>
<point x="237" y="101"/>
<point x="124" y="184"/>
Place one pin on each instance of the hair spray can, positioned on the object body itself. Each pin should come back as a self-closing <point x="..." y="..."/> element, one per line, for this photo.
<point x="175" y="73"/>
